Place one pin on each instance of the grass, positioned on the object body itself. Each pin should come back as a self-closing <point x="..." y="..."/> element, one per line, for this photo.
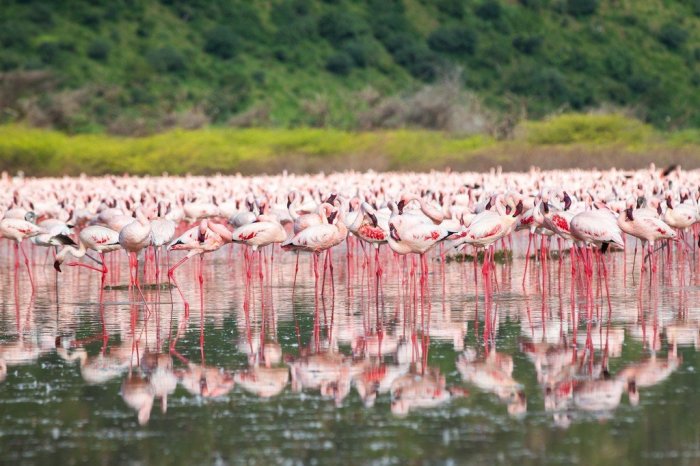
<point x="565" y="141"/>
<point x="500" y="257"/>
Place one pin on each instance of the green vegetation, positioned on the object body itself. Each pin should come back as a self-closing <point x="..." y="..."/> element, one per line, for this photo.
<point x="135" y="67"/>
<point x="564" y="141"/>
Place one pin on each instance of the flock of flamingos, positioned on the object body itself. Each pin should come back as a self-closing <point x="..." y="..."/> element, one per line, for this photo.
<point x="396" y="227"/>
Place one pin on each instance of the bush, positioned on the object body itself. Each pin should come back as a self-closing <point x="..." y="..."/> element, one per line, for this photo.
<point x="618" y="63"/>
<point x="221" y="42"/>
<point x="532" y="4"/>
<point x="339" y="63"/>
<point x="527" y="45"/>
<point x="337" y="26"/>
<point x="581" y="128"/>
<point x="362" y="52"/>
<point x="490" y="10"/>
<point x="98" y="50"/>
<point x="672" y="36"/>
<point x="543" y="82"/>
<point x="452" y="8"/>
<point x="453" y="39"/>
<point x="417" y="59"/>
<point x="49" y="51"/>
<point x="581" y="7"/>
<point x="166" y="60"/>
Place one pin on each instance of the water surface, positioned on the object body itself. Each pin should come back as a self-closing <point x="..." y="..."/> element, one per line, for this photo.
<point x="267" y="373"/>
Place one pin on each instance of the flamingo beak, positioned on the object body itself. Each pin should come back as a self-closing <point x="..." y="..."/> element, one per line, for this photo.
<point x="331" y="198"/>
<point x="567" y="201"/>
<point x="546" y="207"/>
<point x="401" y="205"/>
<point x="640" y="201"/>
<point x="658" y="209"/>
<point x="628" y="212"/>
<point x="57" y="266"/>
<point x="332" y="216"/>
<point x="393" y="233"/>
<point x="518" y="209"/>
<point x="374" y="219"/>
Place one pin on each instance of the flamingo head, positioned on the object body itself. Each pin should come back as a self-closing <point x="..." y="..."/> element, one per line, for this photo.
<point x="567" y="201"/>
<point x="202" y="233"/>
<point x="30" y="216"/>
<point x="332" y="216"/>
<point x="331" y="198"/>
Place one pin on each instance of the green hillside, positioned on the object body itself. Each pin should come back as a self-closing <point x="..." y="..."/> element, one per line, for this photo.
<point x="136" y="66"/>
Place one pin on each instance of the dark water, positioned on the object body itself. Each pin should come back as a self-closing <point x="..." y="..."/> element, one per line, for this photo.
<point x="542" y="377"/>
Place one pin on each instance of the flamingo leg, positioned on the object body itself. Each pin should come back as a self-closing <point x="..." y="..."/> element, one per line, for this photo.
<point x="527" y="256"/>
<point x="26" y="263"/>
<point x="80" y="264"/>
<point x="171" y="277"/>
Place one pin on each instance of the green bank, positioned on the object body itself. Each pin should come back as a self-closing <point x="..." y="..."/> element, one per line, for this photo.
<point x="568" y="140"/>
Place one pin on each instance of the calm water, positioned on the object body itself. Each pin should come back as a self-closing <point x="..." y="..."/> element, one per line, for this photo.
<point x="360" y="376"/>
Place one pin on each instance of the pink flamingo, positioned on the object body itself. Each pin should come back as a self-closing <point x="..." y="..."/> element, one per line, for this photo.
<point x="17" y="230"/>
<point x="646" y="227"/>
<point x="96" y="238"/>
<point x="203" y="238"/>
<point x="133" y="238"/>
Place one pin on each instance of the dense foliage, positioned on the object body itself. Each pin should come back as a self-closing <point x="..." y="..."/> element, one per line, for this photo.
<point x="137" y="66"/>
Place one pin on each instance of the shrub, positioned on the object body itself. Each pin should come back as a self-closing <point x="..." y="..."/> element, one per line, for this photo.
<point x="49" y="51"/>
<point x="417" y="59"/>
<point x="581" y="7"/>
<point x="618" y="63"/>
<point x="490" y="10"/>
<point x="166" y="60"/>
<point x="362" y="52"/>
<point x="672" y="36"/>
<point x="452" y="8"/>
<point x="527" y="45"/>
<point x="339" y="63"/>
<point x="453" y="39"/>
<point x="336" y="26"/>
<point x="581" y="128"/>
<point x="543" y="82"/>
<point x="221" y="42"/>
<point x="98" y="50"/>
<point x="532" y="4"/>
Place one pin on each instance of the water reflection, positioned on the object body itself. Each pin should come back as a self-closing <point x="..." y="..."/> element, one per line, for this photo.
<point x="366" y="345"/>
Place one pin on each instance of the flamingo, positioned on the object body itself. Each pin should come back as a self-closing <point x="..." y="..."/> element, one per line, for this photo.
<point x="646" y="227"/>
<point x="266" y="230"/>
<point x="163" y="232"/>
<point x="96" y="238"/>
<point x="198" y="240"/>
<point x="16" y="229"/>
<point x="488" y="227"/>
<point x="134" y="237"/>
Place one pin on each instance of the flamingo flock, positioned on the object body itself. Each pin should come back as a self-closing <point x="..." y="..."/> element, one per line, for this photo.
<point x="586" y="212"/>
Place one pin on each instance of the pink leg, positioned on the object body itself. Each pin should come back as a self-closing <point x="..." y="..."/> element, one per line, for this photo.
<point x="527" y="256"/>
<point x="26" y="262"/>
<point x="171" y="276"/>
